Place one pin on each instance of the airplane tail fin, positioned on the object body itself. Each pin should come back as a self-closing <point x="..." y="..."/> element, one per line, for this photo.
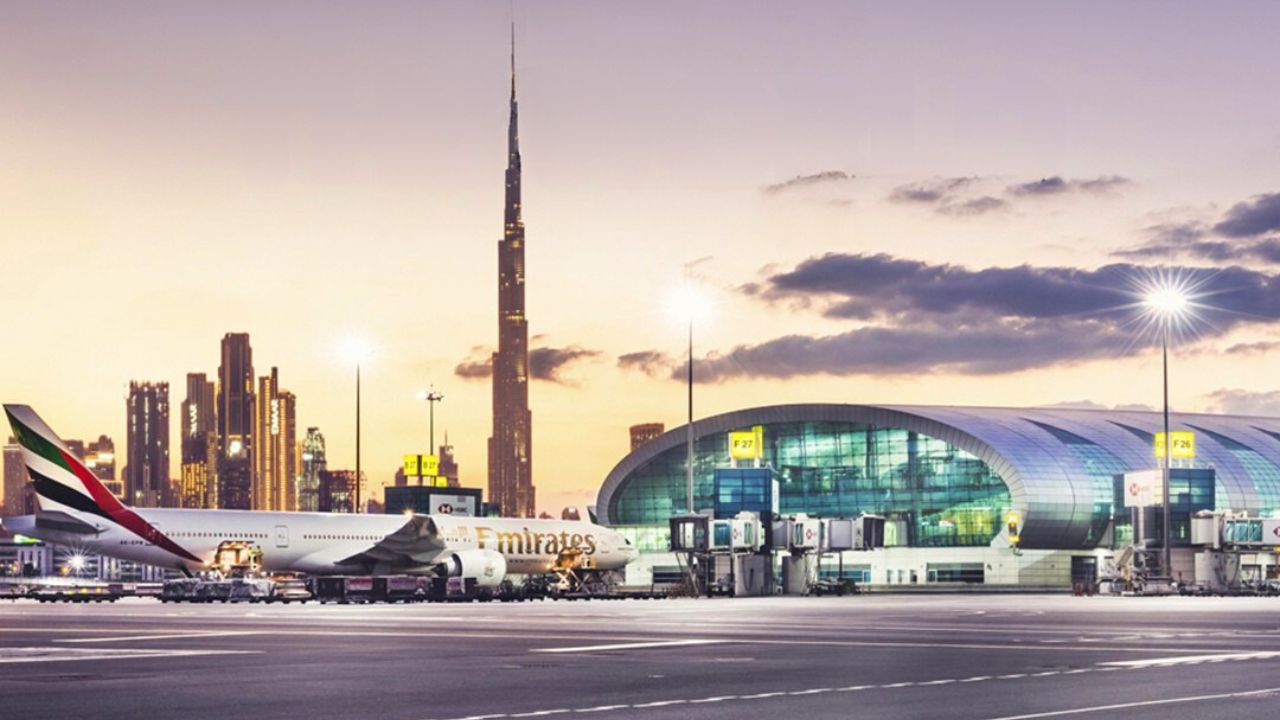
<point x="61" y="481"/>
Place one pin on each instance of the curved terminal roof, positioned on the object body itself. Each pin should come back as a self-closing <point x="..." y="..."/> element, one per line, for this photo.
<point x="1037" y="451"/>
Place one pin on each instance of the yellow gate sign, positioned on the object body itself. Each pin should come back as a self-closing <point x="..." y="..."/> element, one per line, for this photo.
<point x="421" y="465"/>
<point x="1183" y="447"/>
<point x="747" y="444"/>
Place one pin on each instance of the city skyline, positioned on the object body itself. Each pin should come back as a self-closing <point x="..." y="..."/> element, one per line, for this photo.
<point x="926" y="204"/>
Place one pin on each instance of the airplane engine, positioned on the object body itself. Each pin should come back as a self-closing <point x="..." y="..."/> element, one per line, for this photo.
<point x="486" y="566"/>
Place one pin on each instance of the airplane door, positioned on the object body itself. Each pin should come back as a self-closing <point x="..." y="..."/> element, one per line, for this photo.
<point x="282" y="536"/>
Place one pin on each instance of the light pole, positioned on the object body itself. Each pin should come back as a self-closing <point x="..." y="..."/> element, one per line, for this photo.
<point x="689" y="305"/>
<point x="357" y="506"/>
<point x="432" y="397"/>
<point x="1168" y="303"/>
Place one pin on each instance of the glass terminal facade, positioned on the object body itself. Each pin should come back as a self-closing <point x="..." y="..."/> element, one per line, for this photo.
<point x="945" y="477"/>
<point x="943" y="495"/>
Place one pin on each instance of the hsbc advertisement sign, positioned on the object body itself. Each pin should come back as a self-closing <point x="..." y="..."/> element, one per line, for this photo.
<point x="457" y="505"/>
<point x="1143" y="488"/>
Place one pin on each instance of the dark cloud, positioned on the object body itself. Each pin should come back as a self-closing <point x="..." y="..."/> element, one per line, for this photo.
<point x="1057" y="185"/>
<point x="545" y="363"/>
<point x="867" y="286"/>
<point x="798" y="181"/>
<point x="976" y="206"/>
<point x="475" y="369"/>
<point x="1195" y="240"/>
<point x="915" y="317"/>
<point x="996" y="347"/>
<point x="1245" y="402"/>
<point x="933" y="191"/>
<point x="649" y="362"/>
<point x="1256" y="216"/>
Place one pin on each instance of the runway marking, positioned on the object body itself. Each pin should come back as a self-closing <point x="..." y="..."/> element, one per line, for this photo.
<point x="904" y="684"/>
<point x="173" y="636"/>
<point x="1144" y="703"/>
<point x="1195" y="659"/>
<point x="628" y="646"/>
<point x="65" y="654"/>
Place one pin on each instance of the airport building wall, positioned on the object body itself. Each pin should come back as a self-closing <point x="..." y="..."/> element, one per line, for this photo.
<point x="946" y="478"/>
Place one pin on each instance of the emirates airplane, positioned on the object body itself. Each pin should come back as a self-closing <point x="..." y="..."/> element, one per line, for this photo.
<point x="78" y="511"/>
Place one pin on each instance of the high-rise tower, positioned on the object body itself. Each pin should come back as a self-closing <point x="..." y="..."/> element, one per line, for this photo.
<point x="146" y="477"/>
<point x="510" y="447"/>
<point x="235" y="423"/>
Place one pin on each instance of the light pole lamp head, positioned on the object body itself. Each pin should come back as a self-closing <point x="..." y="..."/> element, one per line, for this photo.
<point x="689" y="304"/>
<point x="355" y="351"/>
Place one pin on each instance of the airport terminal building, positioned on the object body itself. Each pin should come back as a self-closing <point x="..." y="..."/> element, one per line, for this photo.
<point x="946" y="478"/>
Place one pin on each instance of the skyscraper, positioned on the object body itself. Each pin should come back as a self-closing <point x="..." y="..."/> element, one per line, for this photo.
<point x="275" y="446"/>
<point x="644" y="432"/>
<point x="199" y="443"/>
<point x="313" y="464"/>
<point x="510" y="446"/>
<point x="146" y="477"/>
<point x="18" y="496"/>
<point x="100" y="458"/>
<point x="235" y="423"/>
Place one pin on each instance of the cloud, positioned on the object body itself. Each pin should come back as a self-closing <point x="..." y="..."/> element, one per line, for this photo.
<point x="649" y="362"/>
<point x="548" y="363"/>
<point x="1256" y="216"/>
<point x="912" y="317"/>
<point x="932" y="191"/>
<point x="1057" y="185"/>
<point x="881" y="286"/>
<point x="478" y="364"/>
<point x="545" y="363"/>
<point x="976" y="206"/>
<point x="997" y="347"/>
<point x="799" y="181"/>
<point x="1196" y="240"/>
<point x="1253" y="348"/>
<point x="1245" y="402"/>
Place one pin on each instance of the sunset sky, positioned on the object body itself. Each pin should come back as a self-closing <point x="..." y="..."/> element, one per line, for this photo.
<point x="928" y="203"/>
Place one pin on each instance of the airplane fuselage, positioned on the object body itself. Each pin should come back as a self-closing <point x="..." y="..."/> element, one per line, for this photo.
<point x="325" y="543"/>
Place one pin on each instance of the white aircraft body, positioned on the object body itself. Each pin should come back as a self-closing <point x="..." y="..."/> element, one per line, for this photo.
<point x="78" y="511"/>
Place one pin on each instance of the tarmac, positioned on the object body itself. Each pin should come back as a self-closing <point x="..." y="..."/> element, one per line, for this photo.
<point x="972" y="657"/>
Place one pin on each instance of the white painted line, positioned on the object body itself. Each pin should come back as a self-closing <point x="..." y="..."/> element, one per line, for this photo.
<point x="627" y="646"/>
<point x="718" y="698"/>
<point x="853" y="688"/>
<point x="948" y="681"/>
<point x="601" y="708"/>
<point x="977" y="678"/>
<point x="761" y="696"/>
<point x="1013" y="676"/>
<point x="660" y="703"/>
<point x="540" y="713"/>
<point x="1145" y="703"/>
<point x="813" y="691"/>
<point x="65" y="654"/>
<point x="1190" y="659"/>
<point x="176" y="636"/>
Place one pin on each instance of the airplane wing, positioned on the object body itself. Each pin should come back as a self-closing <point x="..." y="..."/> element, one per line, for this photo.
<point x="415" y="547"/>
